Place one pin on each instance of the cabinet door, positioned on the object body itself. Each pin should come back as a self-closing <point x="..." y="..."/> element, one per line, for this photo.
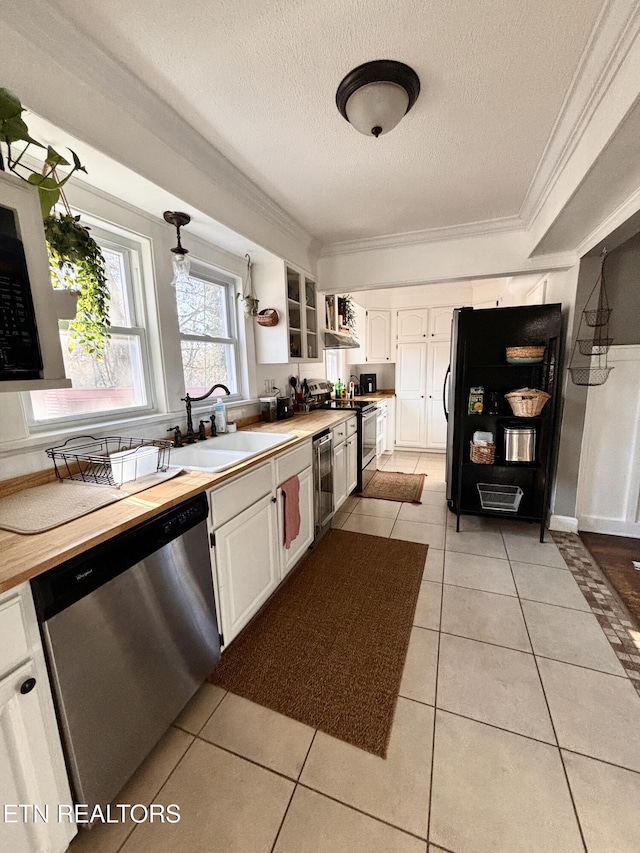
<point x="246" y="555"/>
<point x="390" y="438"/>
<point x="378" y="336"/>
<point x="413" y="324"/>
<point x="438" y="361"/>
<point x="410" y="422"/>
<point x="411" y="406"/>
<point x="311" y="320"/>
<point x="302" y="541"/>
<point x="339" y="475"/>
<point x="351" y="463"/>
<point x="440" y="322"/>
<point x="26" y="770"/>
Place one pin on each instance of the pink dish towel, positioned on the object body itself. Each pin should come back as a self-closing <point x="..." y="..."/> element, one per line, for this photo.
<point x="291" y="492"/>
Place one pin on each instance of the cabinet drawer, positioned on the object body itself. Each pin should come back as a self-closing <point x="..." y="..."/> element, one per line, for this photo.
<point x="352" y="426"/>
<point x="14" y="645"/>
<point x="234" y="497"/>
<point x="339" y="433"/>
<point x="293" y="462"/>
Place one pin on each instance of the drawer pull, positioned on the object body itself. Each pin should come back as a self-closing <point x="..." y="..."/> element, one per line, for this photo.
<point x="27" y="686"/>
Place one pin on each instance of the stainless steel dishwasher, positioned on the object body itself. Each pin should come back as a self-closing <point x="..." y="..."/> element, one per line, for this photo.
<point x="130" y="633"/>
<point x="322" y="482"/>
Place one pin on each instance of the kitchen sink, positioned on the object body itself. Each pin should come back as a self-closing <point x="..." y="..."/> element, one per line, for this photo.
<point x="223" y="451"/>
<point x="251" y="442"/>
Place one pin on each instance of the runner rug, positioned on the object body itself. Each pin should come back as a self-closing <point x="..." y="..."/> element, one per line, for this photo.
<point x="395" y="486"/>
<point x="329" y="647"/>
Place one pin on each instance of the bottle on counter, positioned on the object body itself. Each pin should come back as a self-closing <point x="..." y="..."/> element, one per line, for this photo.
<point x="352" y="389"/>
<point x="220" y="414"/>
<point x="339" y="389"/>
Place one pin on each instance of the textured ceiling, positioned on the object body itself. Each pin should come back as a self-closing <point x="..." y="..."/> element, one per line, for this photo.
<point x="258" y="79"/>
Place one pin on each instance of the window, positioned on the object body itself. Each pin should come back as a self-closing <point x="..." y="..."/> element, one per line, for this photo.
<point x="336" y="365"/>
<point x="208" y="337"/>
<point x="118" y="382"/>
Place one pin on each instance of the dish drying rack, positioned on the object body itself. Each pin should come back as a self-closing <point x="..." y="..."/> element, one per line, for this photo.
<point x="109" y="461"/>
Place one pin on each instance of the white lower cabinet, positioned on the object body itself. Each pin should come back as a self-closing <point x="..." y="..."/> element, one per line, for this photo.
<point x="290" y="556"/>
<point x="246" y="526"/>
<point x="339" y="475"/>
<point x="345" y="460"/>
<point x="246" y="564"/>
<point x="32" y="769"/>
<point x="351" y="460"/>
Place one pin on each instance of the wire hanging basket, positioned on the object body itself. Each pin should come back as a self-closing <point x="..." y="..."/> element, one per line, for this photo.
<point x="596" y="371"/>
<point x="589" y="375"/>
<point x="597" y="316"/>
<point x="594" y="346"/>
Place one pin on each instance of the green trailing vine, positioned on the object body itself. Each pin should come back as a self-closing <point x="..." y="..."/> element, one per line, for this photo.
<point x="77" y="263"/>
<point x="75" y="259"/>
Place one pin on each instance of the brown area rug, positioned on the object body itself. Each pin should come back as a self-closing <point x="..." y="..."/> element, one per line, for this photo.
<point x="615" y="556"/>
<point x="395" y="486"/>
<point x="329" y="647"/>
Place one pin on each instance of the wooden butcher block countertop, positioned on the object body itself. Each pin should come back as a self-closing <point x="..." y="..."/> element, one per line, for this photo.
<point x="25" y="556"/>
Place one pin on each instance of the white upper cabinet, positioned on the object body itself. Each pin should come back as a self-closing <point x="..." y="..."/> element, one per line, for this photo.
<point x="378" y="339"/>
<point x="292" y="293"/>
<point x="412" y="324"/>
<point x="28" y="308"/>
<point x="440" y="322"/>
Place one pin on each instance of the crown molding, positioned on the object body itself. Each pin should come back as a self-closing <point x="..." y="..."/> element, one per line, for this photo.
<point x="613" y="35"/>
<point x="428" y="235"/>
<point x="47" y="28"/>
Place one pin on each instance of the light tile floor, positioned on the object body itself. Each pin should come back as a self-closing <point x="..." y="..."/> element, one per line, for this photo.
<point x="516" y="729"/>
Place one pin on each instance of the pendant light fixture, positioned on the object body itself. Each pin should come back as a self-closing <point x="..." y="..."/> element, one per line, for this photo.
<point x="181" y="263"/>
<point x="375" y="96"/>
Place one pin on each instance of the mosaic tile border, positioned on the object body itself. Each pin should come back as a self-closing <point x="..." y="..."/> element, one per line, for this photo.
<point x="607" y="607"/>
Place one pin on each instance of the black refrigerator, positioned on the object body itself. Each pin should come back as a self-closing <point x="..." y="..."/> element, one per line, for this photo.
<point x="479" y="372"/>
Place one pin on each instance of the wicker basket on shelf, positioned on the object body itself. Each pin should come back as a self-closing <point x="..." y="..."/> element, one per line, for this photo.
<point x="483" y="454"/>
<point x="267" y="317"/>
<point x="527" y="402"/>
<point x="525" y="352"/>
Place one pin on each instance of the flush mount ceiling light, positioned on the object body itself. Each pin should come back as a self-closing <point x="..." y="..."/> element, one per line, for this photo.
<point x="375" y="96"/>
<point x="181" y="264"/>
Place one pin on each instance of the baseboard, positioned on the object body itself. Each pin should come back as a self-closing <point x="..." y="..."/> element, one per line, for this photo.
<point x="563" y="524"/>
<point x="609" y="526"/>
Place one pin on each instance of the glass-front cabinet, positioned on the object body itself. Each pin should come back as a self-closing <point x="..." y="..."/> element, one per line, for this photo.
<point x="293" y="294"/>
<point x="302" y="314"/>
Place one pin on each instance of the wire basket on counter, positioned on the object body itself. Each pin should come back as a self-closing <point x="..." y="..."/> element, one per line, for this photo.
<point x="109" y="461"/>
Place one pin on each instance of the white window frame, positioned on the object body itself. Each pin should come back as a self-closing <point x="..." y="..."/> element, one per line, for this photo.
<point x="132" y="252"/>
<point x="202" y="271"/>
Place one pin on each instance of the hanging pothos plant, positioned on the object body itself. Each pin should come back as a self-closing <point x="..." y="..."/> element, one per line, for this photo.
<point x="247" y="296"/>
<point x="75" y="259"/>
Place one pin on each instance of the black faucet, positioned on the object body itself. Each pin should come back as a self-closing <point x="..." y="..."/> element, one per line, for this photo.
<point x="190" y="436"/>
<point x="177" y="436"/>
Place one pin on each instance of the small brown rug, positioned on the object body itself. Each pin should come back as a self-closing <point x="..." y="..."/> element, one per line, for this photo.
<point x="615" y="556"/>
<point x="395" y="486"/>
<point x="328" y="649"/>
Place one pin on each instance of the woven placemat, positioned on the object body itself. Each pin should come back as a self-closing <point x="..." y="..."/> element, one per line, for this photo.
<point x="44" y="507"/>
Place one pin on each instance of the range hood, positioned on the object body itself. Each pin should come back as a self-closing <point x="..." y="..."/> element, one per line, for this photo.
<point x="339" y="340"/>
